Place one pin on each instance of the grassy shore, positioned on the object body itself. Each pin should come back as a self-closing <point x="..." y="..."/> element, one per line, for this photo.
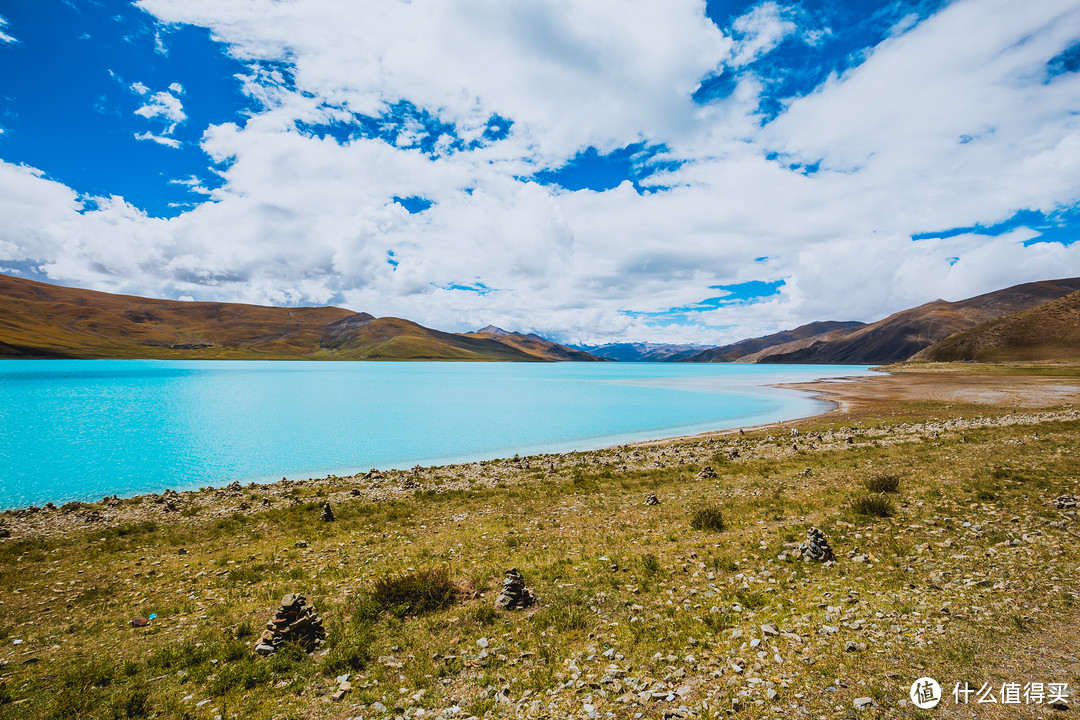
<point x="951" y="562"/>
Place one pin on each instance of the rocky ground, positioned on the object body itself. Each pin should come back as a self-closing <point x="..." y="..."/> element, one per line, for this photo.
<point x="952" y="523"/>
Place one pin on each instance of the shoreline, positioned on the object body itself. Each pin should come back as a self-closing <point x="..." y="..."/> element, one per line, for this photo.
<point x="854" y="401"/>
<point x="950" y="517"/>
<point x="786" y="398"/>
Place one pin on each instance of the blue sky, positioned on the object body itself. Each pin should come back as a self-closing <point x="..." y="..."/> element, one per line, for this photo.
<point x="627" y="170"/>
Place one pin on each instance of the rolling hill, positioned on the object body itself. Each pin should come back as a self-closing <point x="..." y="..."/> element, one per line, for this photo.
<point x="901" y="335"/>
<point x="38" y="320"/>
<point x="748" y="350"/>
<point x="1050" y="331"/>
<point x="534" y="345"/>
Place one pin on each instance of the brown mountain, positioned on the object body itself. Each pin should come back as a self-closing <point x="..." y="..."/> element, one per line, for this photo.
<point x="901" y="335"/>
<point x="1050" y="331"/>
<point x="534" y="345"/>
<point x="41" y="320"/>
<point x="745" y="349"/>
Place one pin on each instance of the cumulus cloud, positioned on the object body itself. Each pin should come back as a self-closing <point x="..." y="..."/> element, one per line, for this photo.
<point x="952" y="122"/>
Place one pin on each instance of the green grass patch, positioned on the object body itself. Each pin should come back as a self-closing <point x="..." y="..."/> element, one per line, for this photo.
<point x="414" y="593"/>
<point x="707" y="518"/>
<point x="882" y="484"/>
<point x="873" y="506"/>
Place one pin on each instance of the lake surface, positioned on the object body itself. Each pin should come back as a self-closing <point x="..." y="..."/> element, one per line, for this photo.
<point x="84" y="429"/>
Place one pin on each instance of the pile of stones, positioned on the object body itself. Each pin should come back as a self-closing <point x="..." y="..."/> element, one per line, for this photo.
<point x="1066" y="501"/>
<point x="514" y="593"/>
<point x="327" y="514"/>
<point x="294" y="621"/>
<point x="651" y="499"/>
<point x="708" y="473"/>
<point x="816" y="547"/>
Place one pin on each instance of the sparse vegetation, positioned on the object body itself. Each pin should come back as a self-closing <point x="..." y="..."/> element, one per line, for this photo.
<point x="882" y="484"/>
<point x="414" y="592"/>
<point x="406" y="582"/>
<point x="873" y="506"/>
<point x="707" y="518"/>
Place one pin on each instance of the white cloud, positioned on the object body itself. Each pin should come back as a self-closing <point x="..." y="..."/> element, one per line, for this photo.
<point x="762" y="29"/>
<point x="163" y="109"/>
<point x="949" y="123"/>
<point x="161" y="105"/>
<point x="160" y="139"/>
<point x="4" y="37"/>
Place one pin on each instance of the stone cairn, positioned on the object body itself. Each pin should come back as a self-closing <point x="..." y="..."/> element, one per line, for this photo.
<point x="708" y="473"/>
<point x="1066" y="501"/>
<point x="327" y="513"/>
<point x="514" y="593"/>
<point x="651" y="499"/>
<point x="816" y="547"/>
<point x="295" y="621"/>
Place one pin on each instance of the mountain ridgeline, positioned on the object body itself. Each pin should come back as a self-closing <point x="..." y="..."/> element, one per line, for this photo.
<point x="38" y="320"/>
<point x="1033" y="321"/>
<point x="920" y="332"/>
<point x="1050" y="331"/>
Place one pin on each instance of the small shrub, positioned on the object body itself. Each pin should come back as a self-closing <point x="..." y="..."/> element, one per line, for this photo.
<point x="722" y="563"/>
<point x="565" y="618"/>
<point x="350" y="653"/>
<point x="367" y="610"/>
<point x="750" y="599"/>
<point x="650" y="564"/>
<point x="707" y="518"/>
<point x="415" y="593"/>
<point x="134" y="529"/>
<point x="882" y="484"/>
<point x="873" y="506"/>
<point x="246" y="674"/>
<point x="565" y="610"/>
<point x="178" y="657"/>
<point x="247" y="574"/>
<point x="131" y="703"/>
<point x="484" y="614"/>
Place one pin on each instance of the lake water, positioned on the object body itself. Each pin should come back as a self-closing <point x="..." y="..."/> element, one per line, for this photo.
<point x="84" y="429"/>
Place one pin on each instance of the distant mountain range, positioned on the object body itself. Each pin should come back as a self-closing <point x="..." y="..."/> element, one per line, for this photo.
<point x="643" y="352"/>
<point x="534" y="345"/>
<point x="1033" y="321"/>
<point x="38" y="320"/>
<point x="893" y="339"/>
<point x="756" y="348"/>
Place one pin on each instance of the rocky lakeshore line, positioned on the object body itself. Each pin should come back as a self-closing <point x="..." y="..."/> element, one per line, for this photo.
<point x="191" y="507"/>
<point x="951" y="549"/>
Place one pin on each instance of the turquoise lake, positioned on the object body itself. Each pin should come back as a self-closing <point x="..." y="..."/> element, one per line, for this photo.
<point x="84" y="429"/>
